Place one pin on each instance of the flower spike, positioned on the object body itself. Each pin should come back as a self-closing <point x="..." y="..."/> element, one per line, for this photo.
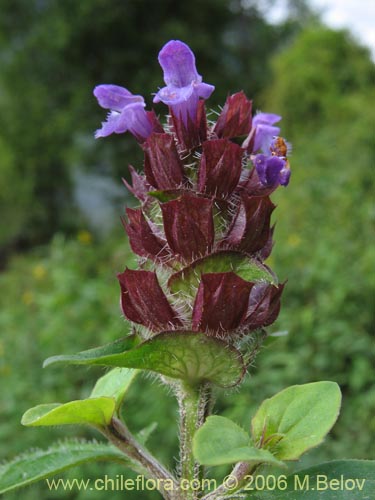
<point x="203" y="226"/>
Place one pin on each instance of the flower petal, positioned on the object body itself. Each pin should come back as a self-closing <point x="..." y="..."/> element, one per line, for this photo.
<point x="269" y="169"/>
<point x="263" y="137"/>
<point x="110" y="126"/>
<point x="178" y="63"/>
<point x="272" y="170"/>
<point x="284" y="176"/>
<point x="265" y="119"/>
<point x="114" y="97"/>
<point x="251" y="185"/>
<point x="184" y="85"/>
<point x="221" y="302"/>
<point x="204" y="90"/>
<point x="172" y="95"/>
<point x="264" y="130"/>
<point x="144" y="302"/>
<point x="188" y="226"/>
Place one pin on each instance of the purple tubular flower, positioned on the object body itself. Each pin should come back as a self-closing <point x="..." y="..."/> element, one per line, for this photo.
<point x="184" y="85"/>
<point x="265" y="130"/>
<point x="127" y="112"/>
<point x="272" y="170"/>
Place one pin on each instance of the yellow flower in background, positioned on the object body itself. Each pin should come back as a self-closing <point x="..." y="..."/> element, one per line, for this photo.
<point x="84" y="237"/>
<point x="27" y="298"/>
<point x="294" y="240"/>
<point x="39" y="271"/>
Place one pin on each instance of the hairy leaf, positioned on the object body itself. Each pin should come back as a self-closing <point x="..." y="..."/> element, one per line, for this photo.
<point x="39" y="464"/>
<point x="297" y="418"/>
<point x="94" y="411"/>
<point x="185" y="355"/>
<point x="220" y="441"/>
<point x="114" y="384"/>
<point x="337" y="480"/>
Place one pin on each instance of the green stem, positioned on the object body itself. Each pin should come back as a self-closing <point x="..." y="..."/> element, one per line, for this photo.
<point x="239" y="478"/>
<point x="145" y="463"/>
<point x="194" y="405"/>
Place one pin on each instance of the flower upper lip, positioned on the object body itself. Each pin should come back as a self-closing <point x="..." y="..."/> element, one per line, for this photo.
<point x="180" y="75"/>
<point x="116" y="98"/>
<point x="126" y="112"/>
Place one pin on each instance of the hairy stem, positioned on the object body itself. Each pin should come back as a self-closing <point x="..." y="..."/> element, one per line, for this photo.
<point x="194" y="407"/>
<point x="239" y="478"/>
<point x="120" y="436"/>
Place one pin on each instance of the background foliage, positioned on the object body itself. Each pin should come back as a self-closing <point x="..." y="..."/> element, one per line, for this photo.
<point x="62" y="296"/>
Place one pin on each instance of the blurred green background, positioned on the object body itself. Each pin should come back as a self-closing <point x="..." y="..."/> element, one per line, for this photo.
<point x="61" y="242"/>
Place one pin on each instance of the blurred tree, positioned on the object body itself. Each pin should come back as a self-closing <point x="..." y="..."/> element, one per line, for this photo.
<point x="323" y="87"/>
<point x="315" y="77"/>
<point x="53" y="53"/>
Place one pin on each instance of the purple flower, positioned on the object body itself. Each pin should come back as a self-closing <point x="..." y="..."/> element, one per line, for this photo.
<point x="184" y="86"/>
<point x="265" y="130"/>
<point x="272" y="170"/>
<point x="126" y="112"/>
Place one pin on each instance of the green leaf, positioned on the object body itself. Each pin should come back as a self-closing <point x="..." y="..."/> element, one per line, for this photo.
<point x="297" y="418"/>
<point x="337" y="480"/>
<point x="193" y="357"/>
<point x="119" y="346"/>
<point x="220" y="441"/>
<point x="145" y="433"/>
<point x="94" y="411"/>
<point x="40" y="464"/>
<point x="114" y="384"/>
<point x="187" y="280"/>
